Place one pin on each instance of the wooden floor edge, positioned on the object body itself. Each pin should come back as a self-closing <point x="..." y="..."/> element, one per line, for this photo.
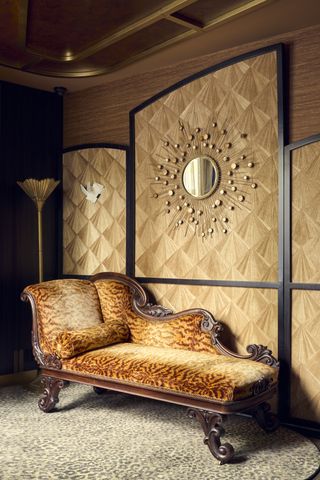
<point x="20" y="378"/>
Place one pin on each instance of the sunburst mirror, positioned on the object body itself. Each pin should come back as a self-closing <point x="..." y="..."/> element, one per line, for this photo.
<point x="202" y="176"/>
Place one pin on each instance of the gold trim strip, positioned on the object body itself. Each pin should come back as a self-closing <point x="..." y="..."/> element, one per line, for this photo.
<point x="120" y="34"/>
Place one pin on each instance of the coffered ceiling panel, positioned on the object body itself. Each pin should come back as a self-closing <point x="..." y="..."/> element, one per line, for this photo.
<point x="82" y="38"/>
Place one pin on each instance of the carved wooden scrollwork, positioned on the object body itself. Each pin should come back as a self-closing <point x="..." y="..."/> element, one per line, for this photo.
<point x="156" y="310"/>
<point x="259" y="353"/>
<point x="264" y="417"/>
<point x="261" y="386"/>
<point x="212" y="426"/>
<point x="50" y="396"/>
<point x="44" y="359"/>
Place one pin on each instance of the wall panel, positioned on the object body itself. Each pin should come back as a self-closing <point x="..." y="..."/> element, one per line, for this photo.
<point x="305" y="164"/>
<point x="241" y="98"/>
<point x="305" y="377"/>
<point x="94" y="234"/>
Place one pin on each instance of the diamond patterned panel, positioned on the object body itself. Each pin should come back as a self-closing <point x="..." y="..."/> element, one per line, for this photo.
<point x="305" y="386"/>
<point x="250" y="315"/>
<point x="306" y="213"/>
<point x="94" y="234"/>
<point x="240" y="98"/>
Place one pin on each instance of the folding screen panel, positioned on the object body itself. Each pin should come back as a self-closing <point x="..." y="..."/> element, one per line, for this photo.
<point x="94" y="210"/>
<point x="230" y="118"/>
<point x="303" y="288"/>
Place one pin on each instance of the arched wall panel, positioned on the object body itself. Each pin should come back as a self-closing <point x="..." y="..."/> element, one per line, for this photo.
<point x="241" y="100"/>
<point x="94" y="234"/>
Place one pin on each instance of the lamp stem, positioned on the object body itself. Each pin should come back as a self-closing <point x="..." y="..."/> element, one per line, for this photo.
<point x="40" y="248"/>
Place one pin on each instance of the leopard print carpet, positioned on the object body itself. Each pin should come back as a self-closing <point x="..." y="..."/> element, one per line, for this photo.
<point x="121" y="437"/>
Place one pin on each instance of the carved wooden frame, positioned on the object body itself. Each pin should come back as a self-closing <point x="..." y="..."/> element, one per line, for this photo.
<point x="208" y="412"/>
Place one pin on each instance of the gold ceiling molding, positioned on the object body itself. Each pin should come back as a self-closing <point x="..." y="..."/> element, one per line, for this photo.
<point x="91" y="38"/>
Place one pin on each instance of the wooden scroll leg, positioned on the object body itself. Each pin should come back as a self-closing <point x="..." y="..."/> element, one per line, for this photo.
<point x="264" y="417"/>
<point x="212" y="426"/>
<point x="50" y="396"/>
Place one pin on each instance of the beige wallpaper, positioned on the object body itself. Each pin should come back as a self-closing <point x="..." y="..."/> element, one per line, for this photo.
<point x="250" y="314"/>
<point x="305" y="388"/>
<point x="237" y="107"/>
<point x="94" y="234"/>
<point x="306" y="213"/>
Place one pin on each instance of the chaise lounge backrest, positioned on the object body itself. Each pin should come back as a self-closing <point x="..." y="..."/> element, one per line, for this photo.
<point x="74" y="316"/>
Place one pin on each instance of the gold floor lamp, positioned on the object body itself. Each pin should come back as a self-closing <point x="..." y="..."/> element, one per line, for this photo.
<point x="39" y="191"/>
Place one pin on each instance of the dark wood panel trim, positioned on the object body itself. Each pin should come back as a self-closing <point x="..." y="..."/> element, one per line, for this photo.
<point x="305" y="427"/>
<point x="212" y="283"/>
<point x="131" y="213"/>
<point x="304" y="286"/>
<point x="245" y="56"/>
<point x="303" y="142"/>
<point x="84" y="146"/>
<point x="186" y="281"/>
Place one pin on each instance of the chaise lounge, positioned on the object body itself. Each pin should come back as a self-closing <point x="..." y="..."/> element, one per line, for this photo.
<point x="103" y="332"/>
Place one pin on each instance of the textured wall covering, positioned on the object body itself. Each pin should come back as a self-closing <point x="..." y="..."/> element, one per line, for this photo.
<point x="250" y="314"/>
<point x="305" y="387"/>
<point x="305" y="163"/>
<point x="102" y="111"/>
<point x="240" y="98"/>
<point x="94" y="234"/>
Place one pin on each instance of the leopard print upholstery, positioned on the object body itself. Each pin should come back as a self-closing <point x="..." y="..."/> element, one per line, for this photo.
<point x="199" y="374"/>
<point x="64" y="305"/>
<point x="168" y="354"/>
<point x="182" y="332"/>
<point x="69" y="343"/>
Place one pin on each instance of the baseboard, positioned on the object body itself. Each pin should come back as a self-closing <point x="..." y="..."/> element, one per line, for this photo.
<point x="306" y="429"/>
<point x="20" y="378"/>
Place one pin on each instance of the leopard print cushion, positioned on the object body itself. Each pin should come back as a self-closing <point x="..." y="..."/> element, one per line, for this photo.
<point x="182" y="332"/>
<point x="61" y="305"/>
<point x="199" y="374"/>
<point x="69" y="343"/>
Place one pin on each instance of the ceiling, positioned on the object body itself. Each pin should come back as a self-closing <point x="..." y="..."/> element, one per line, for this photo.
<point x="80" y="43"/>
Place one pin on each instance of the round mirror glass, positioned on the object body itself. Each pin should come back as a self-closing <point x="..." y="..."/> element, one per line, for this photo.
<point x="200" y="177"/>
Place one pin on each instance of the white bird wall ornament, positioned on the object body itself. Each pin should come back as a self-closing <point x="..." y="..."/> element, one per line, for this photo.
<point x="92" y="191"/>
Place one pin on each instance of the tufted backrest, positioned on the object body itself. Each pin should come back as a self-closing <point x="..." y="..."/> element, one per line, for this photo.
<point x="61" y="305"/>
